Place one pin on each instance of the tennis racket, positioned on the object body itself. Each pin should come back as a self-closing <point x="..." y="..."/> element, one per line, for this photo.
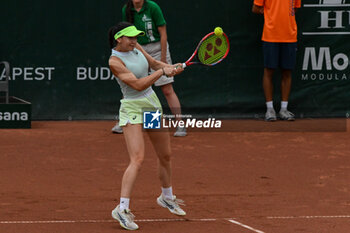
<point x="211" y="50"/>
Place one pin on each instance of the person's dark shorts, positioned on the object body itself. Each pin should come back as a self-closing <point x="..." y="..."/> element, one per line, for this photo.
<point x="279" y="55"/>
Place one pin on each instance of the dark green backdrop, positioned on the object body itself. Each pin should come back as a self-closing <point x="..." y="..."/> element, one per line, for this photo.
<point x="50" y="44"/>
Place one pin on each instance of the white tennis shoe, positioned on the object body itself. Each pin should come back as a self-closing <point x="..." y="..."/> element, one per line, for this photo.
<point x="270" y="115"/>
<point x="172" y="205"/>
<point x="286" y="115"/>
<point x="125" y="218"/>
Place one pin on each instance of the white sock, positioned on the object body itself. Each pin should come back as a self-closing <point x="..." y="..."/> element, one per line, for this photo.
<point x="124" y="203"/>
<point x="284" y="105"/>
<point x="269" y="104"/>
<point x="167" y="192"/>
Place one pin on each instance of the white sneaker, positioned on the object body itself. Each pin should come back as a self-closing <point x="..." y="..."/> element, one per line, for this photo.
<point x="117" y="129"/>
<point x="125" y="218"/>
<point x="172" y="205"/>
<point x="286" y="115"/>
<point x="180" y="132"/>
<point x="270" y="115"/>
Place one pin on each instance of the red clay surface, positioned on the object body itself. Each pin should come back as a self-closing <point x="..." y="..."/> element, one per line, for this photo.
<point x="65" y="177"/>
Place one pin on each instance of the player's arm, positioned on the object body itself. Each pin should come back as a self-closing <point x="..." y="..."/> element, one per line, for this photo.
<point x="257" y="9"/>
<point x="157" y="65"/>
<point x="163" y="42"/>
<point x="119" y="70"/>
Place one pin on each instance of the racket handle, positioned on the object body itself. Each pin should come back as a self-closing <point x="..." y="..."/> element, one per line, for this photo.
<point x="183" y="66"/>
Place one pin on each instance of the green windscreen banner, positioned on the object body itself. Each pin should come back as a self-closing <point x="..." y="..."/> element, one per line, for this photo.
<point x="58" y="52"/>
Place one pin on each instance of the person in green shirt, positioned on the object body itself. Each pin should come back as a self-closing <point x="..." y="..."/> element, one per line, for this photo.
<point x="147" y="16"/>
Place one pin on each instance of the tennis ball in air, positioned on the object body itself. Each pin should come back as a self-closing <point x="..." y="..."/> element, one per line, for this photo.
<point x="218" y="31"/>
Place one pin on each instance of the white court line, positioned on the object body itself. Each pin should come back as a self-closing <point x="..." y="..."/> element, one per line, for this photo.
<point x="245" y="226"/>
<point x="324" y="33"/>
<point x="177" y="220"/>
<point x="327" y="5"/>
<point x="55" y="221"/>
<point x="107" y="221"/>
<point x="173" y="220"/>
<point x="296" y="217"/>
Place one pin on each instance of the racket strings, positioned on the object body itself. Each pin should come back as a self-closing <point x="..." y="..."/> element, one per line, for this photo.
<point x="212" y="49"/>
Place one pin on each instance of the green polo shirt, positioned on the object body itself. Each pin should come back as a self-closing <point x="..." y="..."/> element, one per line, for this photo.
<point x="148" y="19"/>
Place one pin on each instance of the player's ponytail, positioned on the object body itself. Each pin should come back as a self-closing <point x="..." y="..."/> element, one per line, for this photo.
<point x="112" y="42"/>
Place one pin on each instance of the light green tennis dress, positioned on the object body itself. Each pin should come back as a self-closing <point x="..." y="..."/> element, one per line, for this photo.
<point x="134" y="102"/>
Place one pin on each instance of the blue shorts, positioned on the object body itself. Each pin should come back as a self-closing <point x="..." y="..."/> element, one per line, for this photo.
<point x="279" y="55"/>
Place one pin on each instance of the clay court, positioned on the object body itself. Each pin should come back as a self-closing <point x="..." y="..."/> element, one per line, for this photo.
<point x="64" y="176"/>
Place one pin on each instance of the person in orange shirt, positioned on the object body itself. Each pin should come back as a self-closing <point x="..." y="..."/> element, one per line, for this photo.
<point x="279" y="47"/>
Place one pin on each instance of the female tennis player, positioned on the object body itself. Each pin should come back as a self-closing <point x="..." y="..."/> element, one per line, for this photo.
<point x="129" y="63"/>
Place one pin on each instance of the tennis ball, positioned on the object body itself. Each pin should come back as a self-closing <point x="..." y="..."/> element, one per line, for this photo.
<point x="218" y="31"/>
